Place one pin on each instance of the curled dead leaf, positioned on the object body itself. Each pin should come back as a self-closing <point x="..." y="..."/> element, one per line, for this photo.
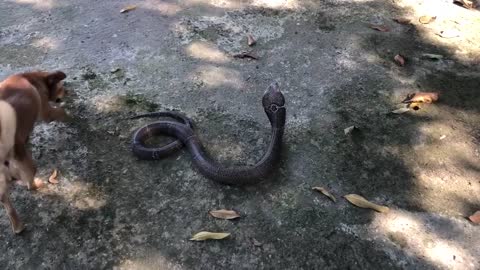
<point x="421" y="97"/>
<point x="349" y="130"/>
<point x="475" y="218"/>
<point x="380" y="28"/>
<point x="224" y="214"/>
<point x="427" y="19"/>
<point x="402" y="20"/>
<point x="361" y="202"/>
<point x="128" y="8"/>
<point x="325" y="192"/>
<point x="250" y="40"/>
<point x="202" y="236"/>
<point x="401" y="110"/>
<point x="53" y="177"/>
<point x="400" y="60"/>
<point x="465" y="3"/>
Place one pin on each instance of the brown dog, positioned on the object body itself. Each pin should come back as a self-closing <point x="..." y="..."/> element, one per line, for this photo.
<point x="24" y="99"/>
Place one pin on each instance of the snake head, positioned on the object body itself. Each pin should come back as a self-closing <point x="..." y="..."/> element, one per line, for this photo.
<point x="273" y="103"/>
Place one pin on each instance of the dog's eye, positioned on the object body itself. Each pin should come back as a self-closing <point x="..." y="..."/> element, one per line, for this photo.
<point x="58" y="100"/>
<point x="6" y="163"/>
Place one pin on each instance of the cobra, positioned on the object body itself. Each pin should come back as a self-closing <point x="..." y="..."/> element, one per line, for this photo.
<point x="181" y="128"/>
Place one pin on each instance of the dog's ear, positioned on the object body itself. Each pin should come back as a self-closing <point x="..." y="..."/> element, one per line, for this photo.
<point x="55" y="77"/>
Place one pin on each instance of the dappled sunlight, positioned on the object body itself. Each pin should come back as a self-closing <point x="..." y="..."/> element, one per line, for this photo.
<point x="46" y="43"/>
<point x="108" y="103"/>
<point x="213" y="76"/>
<point x="229" y="4"/>
<point x="461" y="26"/>
<point x="162" y="7"/>
<point x="39" y="4"/>
<point x="152" y="260"/>
<point x="422" y="235"/>
<point x="277" y="4"/>
<point x="207" y="52"/>
<point x="80" y="195"/>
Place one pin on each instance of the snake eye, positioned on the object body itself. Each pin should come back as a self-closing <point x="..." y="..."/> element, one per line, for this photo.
<point x="273" y="108"/>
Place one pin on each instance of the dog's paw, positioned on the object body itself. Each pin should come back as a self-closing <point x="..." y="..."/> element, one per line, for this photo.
<point x="37" y="184"/>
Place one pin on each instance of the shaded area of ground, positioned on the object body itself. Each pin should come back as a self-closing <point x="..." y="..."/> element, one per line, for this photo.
<point x="111" y="210"/>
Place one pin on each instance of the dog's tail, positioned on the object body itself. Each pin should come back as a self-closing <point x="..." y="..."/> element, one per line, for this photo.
<point x="8" y="127"/>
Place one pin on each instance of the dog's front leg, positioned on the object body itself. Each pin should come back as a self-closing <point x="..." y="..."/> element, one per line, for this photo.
<point x="55" y="114"/>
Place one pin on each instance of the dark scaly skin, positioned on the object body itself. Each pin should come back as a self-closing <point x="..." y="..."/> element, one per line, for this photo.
<point x="273" y="103"/>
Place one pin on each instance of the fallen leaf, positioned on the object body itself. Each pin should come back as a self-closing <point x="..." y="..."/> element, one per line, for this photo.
<point x="361" y="202"/>
<point x="400" y="60"/>
<point x="426" y="19"/>
<point x="349" y="130"/>
<point x="465" y="3"/>
<point x="244" y="55"/>
<point x="421" y="97"/>
<point x="201" y="236"/>
<point x="325" y="192"/>
<point x="380" y="28"/>
<point x="401" y="110"/>
<point x="443" y="137"/>
<point x="475" y="218"/>
<point x="448" y="34"/>
<point x="128" y="8"/>
<point x="224" y="214"/>
<point x="402" y="20"/>
<point x="256" y="243"/>
<point x="432" y="56"/>
<point x="250" y="40"/>
<point x="53" y="177"/>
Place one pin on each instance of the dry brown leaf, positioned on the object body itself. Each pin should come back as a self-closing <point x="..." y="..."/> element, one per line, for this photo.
<point x="401" y="110"/>
<point x="475" y="218"/>
<point x="250" y="40"/>
<point x="380" y="28"/>
<point x="432" y="56"/>
<point x="325" y="192"/>
<point x="53" y="177"/>
<point x="402" y="20"/>
<point x="427" y="19"/>
<point x="421" y="97"/>
<point x="349" y="130"/>
<point x="202" y="236"/>
<point x="224" y="214"/>
<point x="400" y="60"/>
<point x="361" y="202"/>
<point x="244" y="55"/>
<point x="128" y="8"/>
<point x="465" y="3"/>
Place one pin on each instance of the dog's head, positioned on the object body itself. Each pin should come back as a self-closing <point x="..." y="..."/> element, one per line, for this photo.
<point x="56" y="90"/>
<point x="51" y="82"/>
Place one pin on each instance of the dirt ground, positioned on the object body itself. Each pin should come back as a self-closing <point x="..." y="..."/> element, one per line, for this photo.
<point x="112" y="211"/>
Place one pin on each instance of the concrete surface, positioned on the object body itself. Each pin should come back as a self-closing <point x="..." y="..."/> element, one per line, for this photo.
<point x="112" y="211"/>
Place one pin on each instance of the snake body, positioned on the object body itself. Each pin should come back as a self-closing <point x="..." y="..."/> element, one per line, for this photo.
<point x="181" y="128"/>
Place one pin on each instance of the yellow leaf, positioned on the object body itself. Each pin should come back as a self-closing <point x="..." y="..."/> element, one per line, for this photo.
<point x="224" y="214"/>
<point x="426" y="19"/>
<point x="128" y="8"/>
<point x="201" y="236"/>
<point x="360" y="201"/>
<point x="325" y="192"/>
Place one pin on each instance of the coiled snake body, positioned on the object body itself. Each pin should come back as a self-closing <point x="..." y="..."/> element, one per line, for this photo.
<point x="181" y="128"/>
